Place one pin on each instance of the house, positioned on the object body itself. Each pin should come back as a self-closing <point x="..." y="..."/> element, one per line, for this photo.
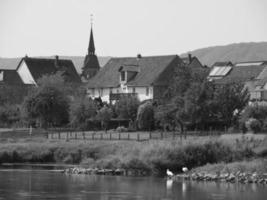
<point x="10" y="77"/>
<point x="91" y="65"/>
<point x="252" y="74"/>
<point x="145" y="77"/>
<point x="220" y="70"/>
<point x="31" y="69"/>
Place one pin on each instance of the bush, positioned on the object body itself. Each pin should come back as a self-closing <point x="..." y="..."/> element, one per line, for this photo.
<point x="126" y="107"/>
<point x="83" y="110"/>
<point x="254" y="125"/>
<point x="145" y="116"/>
<point x="104" y="115"/>
<point x="9" y="115"/>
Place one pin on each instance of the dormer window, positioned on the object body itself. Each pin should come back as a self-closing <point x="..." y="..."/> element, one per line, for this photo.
<point x="123" y="75"/>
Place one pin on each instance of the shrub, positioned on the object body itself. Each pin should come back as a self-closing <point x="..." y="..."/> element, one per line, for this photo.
<point x="145" y="116"/>
<point x="104" y="115"/>
<point x="83" y="110"/>
<point x="126" y="107"/>
<point x="254" y="125"/>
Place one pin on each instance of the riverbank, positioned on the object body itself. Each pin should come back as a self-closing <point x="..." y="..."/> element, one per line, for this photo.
<point x="152" y="157"/>
<point x="253" y="171"/>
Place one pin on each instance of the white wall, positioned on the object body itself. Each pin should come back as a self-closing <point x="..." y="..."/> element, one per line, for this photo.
<point x="104" y="93"/>
<point x="25" y="74"/>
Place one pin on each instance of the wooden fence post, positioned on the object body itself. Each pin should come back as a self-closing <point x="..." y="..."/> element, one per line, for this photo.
<point x="138" y="137"/>
<point x="59" y="135"/>
<point x="150" y="135"/>
<point x="128" y="136"/>
<point x="119" y="136"/>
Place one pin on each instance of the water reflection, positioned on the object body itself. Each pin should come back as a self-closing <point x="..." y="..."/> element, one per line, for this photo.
<point x="51" y="185"/>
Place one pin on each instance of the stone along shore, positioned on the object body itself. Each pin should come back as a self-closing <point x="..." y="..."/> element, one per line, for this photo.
<point x="238" y="177"/>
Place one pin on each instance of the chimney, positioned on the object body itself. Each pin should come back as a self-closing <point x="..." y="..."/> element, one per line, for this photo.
<point x="56" y="61"/>
<point x="190" y="57"/>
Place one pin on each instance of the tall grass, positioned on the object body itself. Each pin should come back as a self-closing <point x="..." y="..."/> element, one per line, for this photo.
<point x="153" y="157"/>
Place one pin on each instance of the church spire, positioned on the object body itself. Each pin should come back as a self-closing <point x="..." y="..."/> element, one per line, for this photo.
<point x="91" y="47"/>
<point x="90" y="65"/>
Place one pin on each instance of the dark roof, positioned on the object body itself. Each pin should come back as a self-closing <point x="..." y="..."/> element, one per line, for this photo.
<point x="91" y="47"/>
<point x="241" y="74"/>
<point x="222" y="64"/>
<point x="258" y="62"/>
<point x="43" y="66"/>
<point x="11" y="77"/>
<point x="150" y="69"/>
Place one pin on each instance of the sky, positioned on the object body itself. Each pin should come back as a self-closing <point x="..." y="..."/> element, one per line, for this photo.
<point x="127" y="27"/>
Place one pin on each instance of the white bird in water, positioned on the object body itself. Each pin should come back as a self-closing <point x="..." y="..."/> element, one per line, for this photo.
<point x="185" y="169"/>
<point x="169" y="173"/>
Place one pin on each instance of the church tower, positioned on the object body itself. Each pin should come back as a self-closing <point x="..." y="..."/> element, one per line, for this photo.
<point x="91" y="64"/>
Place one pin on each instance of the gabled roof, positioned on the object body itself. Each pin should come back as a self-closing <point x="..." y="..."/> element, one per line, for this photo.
<point x="222" y="64"/>
<point x="251" y="63"/>
<point x="11" y="77"/>
<point x="149" y="70"/>
<point x="43" y="66"/>
<point x="242" y="74"/>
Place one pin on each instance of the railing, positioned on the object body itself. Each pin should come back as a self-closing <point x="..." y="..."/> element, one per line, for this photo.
<point x="117" y="96"/>
<point x="133" y="136"/>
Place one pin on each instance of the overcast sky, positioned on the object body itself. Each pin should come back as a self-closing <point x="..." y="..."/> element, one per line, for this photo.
<point x="127" y="27"/>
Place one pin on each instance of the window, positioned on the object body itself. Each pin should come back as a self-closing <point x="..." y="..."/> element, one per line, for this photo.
<point x="93" y="92"/>
<point x="101" y="92"/>
<point x="133" y="89"/>
<point x="1" y="75"/>
<point x="123" y="76"/>
<point x="147" y="91"/>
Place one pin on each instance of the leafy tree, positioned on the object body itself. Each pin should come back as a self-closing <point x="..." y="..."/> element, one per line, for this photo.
<point x="228" y="102"/>
<point x="127" y="107"/>
<point x="47" y="106"/>
<point x="82" y="110"/>
<point x="74" y="90"/>
<point x="145" y="116"/>
<point x="104" y="115"/>
<point x="9" y="114"/>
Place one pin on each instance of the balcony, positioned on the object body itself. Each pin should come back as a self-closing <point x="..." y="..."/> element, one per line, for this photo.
<point x="117" y="96"/>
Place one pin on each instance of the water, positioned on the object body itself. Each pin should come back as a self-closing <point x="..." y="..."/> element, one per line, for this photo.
<point x="29" y="183"/>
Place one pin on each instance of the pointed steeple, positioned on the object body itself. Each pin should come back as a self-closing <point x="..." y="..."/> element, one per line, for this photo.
<point x="90" y="65"/>
<point x="91" y="48"/>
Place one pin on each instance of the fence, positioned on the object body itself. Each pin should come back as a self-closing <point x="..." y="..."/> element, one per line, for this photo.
<point x="137" y="136"/>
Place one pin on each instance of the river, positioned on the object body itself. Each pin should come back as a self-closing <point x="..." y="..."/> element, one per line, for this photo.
<point x="30" y="183"/>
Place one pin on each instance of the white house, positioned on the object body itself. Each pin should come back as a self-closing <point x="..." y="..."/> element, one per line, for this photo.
<point x="145" y="77"/>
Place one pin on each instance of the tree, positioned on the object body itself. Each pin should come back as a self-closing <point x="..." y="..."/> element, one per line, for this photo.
<point x="127" y="107"/>
<point x="47" y="106"/>
<point x="74" y="90"/>
<point x="145" y="116"/>
<point x="228" y="102"/>
<point x="82" y="110"/>
<point x="104" y="116"/>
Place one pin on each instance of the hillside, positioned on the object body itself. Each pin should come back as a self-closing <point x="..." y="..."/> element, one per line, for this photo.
<point x="238" y="52"/>
<point x="12" y="63"/>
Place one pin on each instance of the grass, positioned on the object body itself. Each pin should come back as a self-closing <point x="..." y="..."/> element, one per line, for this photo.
<point x="249" y="166"/>
<point x="153" y="156"/>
